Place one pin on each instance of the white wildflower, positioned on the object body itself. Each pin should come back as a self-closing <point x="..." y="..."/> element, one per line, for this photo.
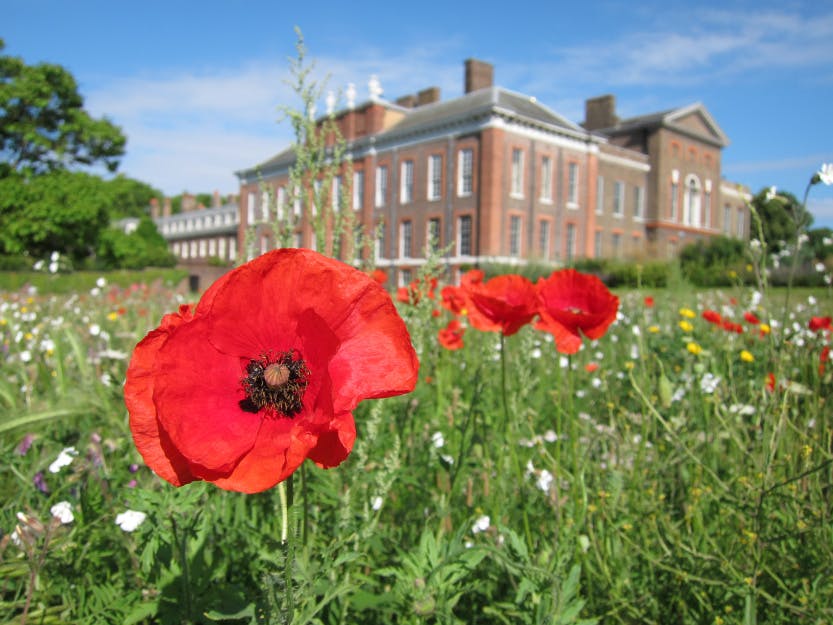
<point x="825" y="173"/>
<point x="64" y="459"/>
<point x="709" y="382"/>
<point x="131" y="519"/>
<point x="25" y="356"/>
<point x="544" y="480"/>
<point x="481" y="524"/>
<point x="438" y="439"/>
<point x="100" y="282"/>
<point x="95" y="329"/>
<point x="376" y="503"/>
<point x="63" y="512"/>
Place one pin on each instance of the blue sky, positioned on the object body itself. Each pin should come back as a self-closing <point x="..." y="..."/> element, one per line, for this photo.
<point x="197" y="86"/>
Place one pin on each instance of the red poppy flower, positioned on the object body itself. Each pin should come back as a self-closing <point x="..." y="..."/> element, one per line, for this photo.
<point x="572" y="304"/>
<point x="266" y="372"/>
<point x="503" y="304"/>
<point x="712" y="316"/>
<point x="824" y="358"/>
<point x="590" y="367"/>
<point x="819" y="323"/>
<point x="751" y="318"/>
<point x="770" y="382"/>
<point x="453" y="299"/>
<point x="649" y="301"/>
<point x="451" y="336"/>
<point x="731" y="326"/>
<point x="379" y="275"/>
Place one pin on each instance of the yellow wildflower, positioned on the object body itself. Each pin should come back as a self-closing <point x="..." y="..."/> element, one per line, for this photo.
<point x="764" y="328"/>
<point x="687" y="312"/>
<point x="685" y="326"/>
<point x="694" y="348"/>
<point x="113" y="316"/>
<point x="746" y="356"/>
<point x="653" y="329"/>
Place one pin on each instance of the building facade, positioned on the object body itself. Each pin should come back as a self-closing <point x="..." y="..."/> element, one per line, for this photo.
<point x="198" y="235"/>
<point x="495" y="176"/>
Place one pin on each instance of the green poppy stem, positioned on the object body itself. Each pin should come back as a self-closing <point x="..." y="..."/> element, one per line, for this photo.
<point x="286" y="495"/>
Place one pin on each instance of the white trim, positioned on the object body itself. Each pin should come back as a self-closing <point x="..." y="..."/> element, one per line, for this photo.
<point x="624" y="162"/>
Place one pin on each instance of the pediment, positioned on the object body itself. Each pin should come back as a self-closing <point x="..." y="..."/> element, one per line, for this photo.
<point x="695" y="120"/>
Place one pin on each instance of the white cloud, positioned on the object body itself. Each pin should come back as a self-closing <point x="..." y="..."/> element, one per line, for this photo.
<point x="193" y="130"/>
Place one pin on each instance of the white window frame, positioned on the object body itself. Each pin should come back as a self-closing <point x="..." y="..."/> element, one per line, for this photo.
<point x="381" y="185"/>
<point x="358" y="189"/>
<point x="618" y="199"/>
<point x="459" y="238"/>
<point x="639" y="202"/>
<point x="517" y="188"/>
<point x="515" y="225"/>
<point x="545" y="238"/>
<point x="435" y="177"/>
<point x="406" y="231"/>
<point x="465" y="170"/>
<point x="546" y="179"/>
<point x="600" y="195"/>
<point x="406" y="182"/>
<point x="572" y="184"/>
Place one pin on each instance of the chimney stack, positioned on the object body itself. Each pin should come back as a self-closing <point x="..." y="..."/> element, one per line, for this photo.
<point x="166" y="208"/>
<point x="479" y="75"/>
<point x="189" y="202"/>
<point x="428" y="96"/>
<point x="215" y="200"/>
<point x="154" y="208"/>
<point x="600" y="112"/>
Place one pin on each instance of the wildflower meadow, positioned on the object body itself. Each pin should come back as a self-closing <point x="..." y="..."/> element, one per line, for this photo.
<point x="498" y="451"/>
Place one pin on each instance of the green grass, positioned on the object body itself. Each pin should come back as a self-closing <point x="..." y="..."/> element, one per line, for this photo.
<point x="85" y="280"/>
<point x="661" y="487"/>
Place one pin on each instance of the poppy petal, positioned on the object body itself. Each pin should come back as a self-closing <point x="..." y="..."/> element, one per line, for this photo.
<point x="153" y="444"/>
<point x="198" y="394"/>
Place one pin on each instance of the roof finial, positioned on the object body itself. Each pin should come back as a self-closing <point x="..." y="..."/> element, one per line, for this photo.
<point x="374" y="87"/>
<point x="351" y="95"/>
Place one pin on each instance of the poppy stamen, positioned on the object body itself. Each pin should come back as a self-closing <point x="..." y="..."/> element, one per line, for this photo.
<point x="276" y="383"/>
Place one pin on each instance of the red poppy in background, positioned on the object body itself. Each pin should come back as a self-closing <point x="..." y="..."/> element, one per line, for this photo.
<point x="712" y="316"/>
<point x="731" y="326"/>
<point x="414" y="292"/>
<point x="770" y="382"/>
<point x="380" y="276"/>
<point x="453" y="299"/>
<point x="824" y="358"/>
<point x="451" y="336"/>
<point x="819" y="323"/>
<point x="266" y="372"/>
<point x="649" y="301"/>
<point x="572" y="304"/>
<point x="503" y="304"/>
<point x="751" y="318"/>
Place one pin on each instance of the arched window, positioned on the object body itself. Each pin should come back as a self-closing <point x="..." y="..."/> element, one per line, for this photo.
<point x="691" y="201"/>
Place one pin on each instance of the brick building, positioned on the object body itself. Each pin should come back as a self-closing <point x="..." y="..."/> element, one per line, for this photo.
<point x="496" y="176"/>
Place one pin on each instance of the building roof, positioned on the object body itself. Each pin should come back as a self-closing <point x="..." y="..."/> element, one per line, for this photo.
<point x="482" y="103"/>
<point x="692" y="119"/>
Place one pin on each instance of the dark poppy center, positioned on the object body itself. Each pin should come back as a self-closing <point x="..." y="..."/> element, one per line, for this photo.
<point x="276" y="382"/>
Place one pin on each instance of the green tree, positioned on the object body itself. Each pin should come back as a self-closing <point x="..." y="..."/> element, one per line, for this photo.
<point x="131" y="198"/>
<point x="60" y="211"/>
<point x="782" y="216"/>
<point x="43" y="124"/>
<point x="144" y="247"/>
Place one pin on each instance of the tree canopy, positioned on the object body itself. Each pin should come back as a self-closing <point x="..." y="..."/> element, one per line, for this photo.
<point x="43" y="123"/>
<point x="782" y="216"/>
